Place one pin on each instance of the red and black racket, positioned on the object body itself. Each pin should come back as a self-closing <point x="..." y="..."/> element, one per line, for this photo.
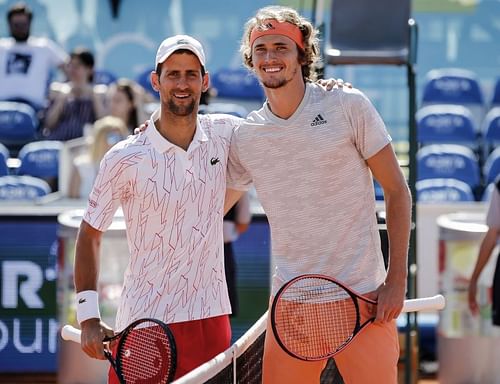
<point x="314" y="317"/>
<point x="145" y="354"/>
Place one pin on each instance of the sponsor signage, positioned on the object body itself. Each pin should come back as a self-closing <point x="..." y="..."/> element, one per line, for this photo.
<point x="28" y="310"/>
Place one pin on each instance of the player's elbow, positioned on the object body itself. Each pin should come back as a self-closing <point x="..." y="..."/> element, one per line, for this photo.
<point x="399" y="195"/>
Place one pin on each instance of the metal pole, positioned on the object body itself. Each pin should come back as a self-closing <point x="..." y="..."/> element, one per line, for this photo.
<point x="411" y="322"/>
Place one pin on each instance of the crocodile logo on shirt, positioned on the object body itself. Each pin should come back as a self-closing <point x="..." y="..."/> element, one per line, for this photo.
<point x="214" y="160"/>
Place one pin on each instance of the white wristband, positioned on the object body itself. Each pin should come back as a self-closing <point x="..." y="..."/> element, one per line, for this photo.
<point x="87" y="306"/>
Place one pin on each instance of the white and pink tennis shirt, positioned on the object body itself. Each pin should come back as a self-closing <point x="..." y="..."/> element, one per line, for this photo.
<point x="173" y="203"/>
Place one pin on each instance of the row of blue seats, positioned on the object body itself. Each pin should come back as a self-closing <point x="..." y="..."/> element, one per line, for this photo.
<point x="458" y="162"/>
<point x="39" y="159"/>
<point x="444" y="190"/>
<point x="452" y="172"/>
<point x="454" y="124"/>
<point x="23" y="187"/>
<point x="458" y="131"/>
<point x="454" y="111"/>
<point x="36" y="173"/>
<point x="460" y="87"/>
<point x="448" y="190"/>
<point x="18" y="124"/>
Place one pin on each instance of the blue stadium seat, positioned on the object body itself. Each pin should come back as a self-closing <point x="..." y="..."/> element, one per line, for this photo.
<point x="18" y="123"/>
<point x="441" y="161"/>
<point x="143" y="79"/>
<point x="442" y="190"/>
<point x="103" y="76"/>
<point x="227" y="108"/>
<point x="455" y="86"/>
<point x="446" y="124"/>
<point x="452" y="86"/>
<point x="491" y="167"/>
<point x="237" y="83"/>
<point x="22" y="188"/>
<point x="491" y="129"/>
<point x="4" y="155"/>
<point x="40" y="159"/>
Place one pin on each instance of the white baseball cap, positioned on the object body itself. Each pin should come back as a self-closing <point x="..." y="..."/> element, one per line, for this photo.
<point x="175" y="43"/>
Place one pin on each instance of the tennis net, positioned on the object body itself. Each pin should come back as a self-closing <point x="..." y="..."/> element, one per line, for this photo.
<point x="242" y="362"/>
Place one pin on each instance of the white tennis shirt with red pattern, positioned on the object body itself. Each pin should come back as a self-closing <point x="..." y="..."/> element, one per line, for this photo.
<point x="173" y="203"/>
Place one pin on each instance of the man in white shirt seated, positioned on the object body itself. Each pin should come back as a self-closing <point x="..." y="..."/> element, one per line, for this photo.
<point x="27" y="62"/>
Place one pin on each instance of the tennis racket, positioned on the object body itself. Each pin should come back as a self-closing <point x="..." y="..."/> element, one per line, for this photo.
<point x="146" y="352"/>
<point x="314" y="317"/>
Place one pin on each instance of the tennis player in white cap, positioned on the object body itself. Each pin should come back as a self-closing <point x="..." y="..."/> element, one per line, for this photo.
<point x="170" y="181"/>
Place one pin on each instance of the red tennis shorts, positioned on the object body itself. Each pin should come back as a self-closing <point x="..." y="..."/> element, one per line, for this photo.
<point x="197" y="342"/>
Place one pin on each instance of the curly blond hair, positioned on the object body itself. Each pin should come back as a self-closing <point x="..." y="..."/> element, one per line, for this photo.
<point x="309" y="55"/>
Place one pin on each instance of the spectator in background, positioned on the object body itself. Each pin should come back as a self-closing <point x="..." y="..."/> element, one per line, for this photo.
<point x="125" y="99"/>
<point x="490" y="240"/>
<point x="27" y="62"/>
<point x="75" y="103"/>
<point x="236" y="222"/>
<point x="106" y="132"/>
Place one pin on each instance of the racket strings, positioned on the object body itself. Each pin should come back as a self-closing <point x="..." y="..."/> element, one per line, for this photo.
<point x="315" y="318"/>
<point x="145" y="356"/>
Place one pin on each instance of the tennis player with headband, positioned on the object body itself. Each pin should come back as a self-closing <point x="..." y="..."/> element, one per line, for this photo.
<point x="311" y="155"/>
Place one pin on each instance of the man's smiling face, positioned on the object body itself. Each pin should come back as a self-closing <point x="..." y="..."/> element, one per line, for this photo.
<point x="181" y="83"/>
<point x="275" y="60"/>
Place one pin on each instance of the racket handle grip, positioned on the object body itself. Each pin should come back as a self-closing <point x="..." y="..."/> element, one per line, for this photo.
<point x="71" y="333"/>
<point x="426" y="303"/>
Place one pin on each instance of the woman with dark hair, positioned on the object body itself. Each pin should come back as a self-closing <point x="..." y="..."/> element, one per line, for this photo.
<point x="75" y="103"/>
<point x="125" y="100"/>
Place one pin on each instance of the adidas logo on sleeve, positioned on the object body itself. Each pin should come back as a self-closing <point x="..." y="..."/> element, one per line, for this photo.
<point x="318" y="120"/>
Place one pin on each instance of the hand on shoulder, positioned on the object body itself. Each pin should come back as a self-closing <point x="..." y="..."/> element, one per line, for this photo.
<point x="141" y="128"/>
<point x="332" y="83"/>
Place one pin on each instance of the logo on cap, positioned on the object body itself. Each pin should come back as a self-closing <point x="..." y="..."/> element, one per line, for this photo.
<point x="182" y="41"/>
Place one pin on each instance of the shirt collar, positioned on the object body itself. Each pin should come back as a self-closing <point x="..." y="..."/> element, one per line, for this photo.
<point x="161" y="144"/>
<point x="278" y="120"/>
